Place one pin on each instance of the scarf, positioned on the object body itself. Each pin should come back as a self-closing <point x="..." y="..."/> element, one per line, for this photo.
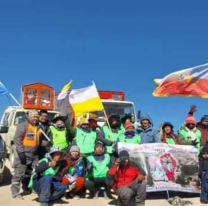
<point x="69" y="162"/>
<point x="170" y="135"/>
<point x="191" y="133"/>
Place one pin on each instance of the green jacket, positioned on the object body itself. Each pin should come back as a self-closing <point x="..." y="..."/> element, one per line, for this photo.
<point x="85" y="140"/>
<point x="170" y="140"/>
<point x="100" y="168"/>
<point x="50" y="171"/>
<point x="186" y="140"/>
<point x="59" y="138"/>
<point x="111" y="137"/>
<point x="136" y="139"/>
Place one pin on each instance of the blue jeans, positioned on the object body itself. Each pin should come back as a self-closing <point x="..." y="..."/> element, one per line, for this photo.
<point x="204" y="186"/>
<point x="48" y="189"/>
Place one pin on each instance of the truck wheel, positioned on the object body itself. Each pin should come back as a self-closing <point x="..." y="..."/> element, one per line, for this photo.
<point x="11" y="156"/>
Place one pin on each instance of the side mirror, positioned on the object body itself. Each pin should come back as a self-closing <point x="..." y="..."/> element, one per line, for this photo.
<point x="4" y="129"/>
<point x="138" y="115"/>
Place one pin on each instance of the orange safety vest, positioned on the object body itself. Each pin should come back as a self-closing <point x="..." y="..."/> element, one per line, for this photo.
<point x="32" y="136"/>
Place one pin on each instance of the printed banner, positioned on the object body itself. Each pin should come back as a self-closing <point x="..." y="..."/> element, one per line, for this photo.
<point x="168" y="167"/>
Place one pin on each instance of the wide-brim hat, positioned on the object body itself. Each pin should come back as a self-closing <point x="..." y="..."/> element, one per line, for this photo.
<point x="93" y="117"/>
<point x="57" y="117"/>
<point x="55" y="149"/>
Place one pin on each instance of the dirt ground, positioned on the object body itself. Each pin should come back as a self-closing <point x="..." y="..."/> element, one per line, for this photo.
<point x="159" y="198"/>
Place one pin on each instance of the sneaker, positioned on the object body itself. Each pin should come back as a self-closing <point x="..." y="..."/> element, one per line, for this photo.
<point x="91" y="195"/>
<point x="76" y="197"/>
<point x="69" y="195"/>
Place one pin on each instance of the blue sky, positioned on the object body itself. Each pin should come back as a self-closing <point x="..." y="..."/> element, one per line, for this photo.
<point x="120" y="45"/>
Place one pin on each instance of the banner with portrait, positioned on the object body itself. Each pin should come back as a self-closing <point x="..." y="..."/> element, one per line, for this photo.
<point x="168" y="167"/>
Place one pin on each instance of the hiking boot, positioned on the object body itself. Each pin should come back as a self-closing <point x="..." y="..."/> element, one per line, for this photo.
<point x="26" y="192"/>
<point x="203" y="202"/>
<point x="15" y="189"/>
<point x="90" y="195"/>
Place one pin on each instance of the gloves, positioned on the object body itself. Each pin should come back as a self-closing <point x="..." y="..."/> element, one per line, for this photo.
<point x="89" y="167"/>
<point x="22" y="158"/>
<point x="140" y="178"/>
<point x="194" y="142"/>
<point x="192" y="109"/>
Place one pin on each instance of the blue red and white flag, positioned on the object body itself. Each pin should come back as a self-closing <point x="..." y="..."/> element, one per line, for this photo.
<point x="188" y="82"/>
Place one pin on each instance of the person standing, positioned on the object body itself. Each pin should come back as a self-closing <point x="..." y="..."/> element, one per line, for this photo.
<point x="84" y="137"/>
<point x="147" y="132"/>
<point x="168" y="135"/>
<point x="44" y="145"/>
<point x="203" y="174"/>
<point x="26" y="141"/>
<point x="189" y="134"/>
<point x="59" y="133"/>
<point x="130" y="135"/>
<point x="111" y="134"/>
<point x="202" y="126"/>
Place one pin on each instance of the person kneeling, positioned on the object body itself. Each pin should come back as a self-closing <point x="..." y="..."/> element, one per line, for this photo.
<point x="72" y="170"/>
<point x="128" y="181"/>
<point x="97" y="169"/>
<point x="45" y="180"/>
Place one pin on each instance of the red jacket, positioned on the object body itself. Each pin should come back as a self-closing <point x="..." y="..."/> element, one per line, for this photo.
<point x="204" y="133"/>
<point x="124" y="176"/>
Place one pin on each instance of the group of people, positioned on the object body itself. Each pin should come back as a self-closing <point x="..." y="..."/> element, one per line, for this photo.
<point x="56" y="159"/>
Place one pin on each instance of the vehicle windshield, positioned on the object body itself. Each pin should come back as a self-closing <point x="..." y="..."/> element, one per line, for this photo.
<point x="20" y="116"/>
<point x="115" y="108"/>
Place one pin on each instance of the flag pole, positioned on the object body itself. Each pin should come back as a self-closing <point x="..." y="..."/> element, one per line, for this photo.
<point x="106" y="117"/>
<point x="107" y="121"/>
<point x="10" y="94"/>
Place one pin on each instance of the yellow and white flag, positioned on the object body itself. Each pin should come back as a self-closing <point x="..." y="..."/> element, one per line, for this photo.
<point x="85" y="100"/>
<point x="64" y="91"/>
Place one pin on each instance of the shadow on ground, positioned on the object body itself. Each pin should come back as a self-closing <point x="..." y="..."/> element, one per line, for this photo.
<point x="61" y="202"/>
<point x="170" y="194"/>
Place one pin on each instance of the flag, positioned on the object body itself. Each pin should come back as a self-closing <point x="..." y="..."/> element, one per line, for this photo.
<point x="85" y="100"/>
<point x="63" y="105"/>
<point x="188" y="82"/>
<point x="3" y="89"/>
<point x="64" y="91"/>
